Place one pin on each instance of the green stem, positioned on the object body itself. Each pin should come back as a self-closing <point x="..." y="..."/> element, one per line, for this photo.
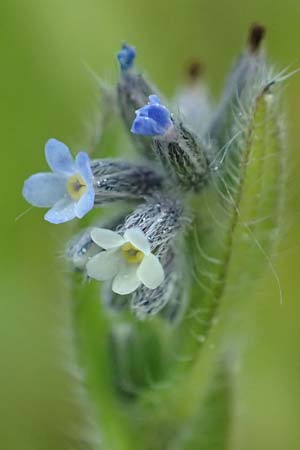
<point x="91" y="340"/>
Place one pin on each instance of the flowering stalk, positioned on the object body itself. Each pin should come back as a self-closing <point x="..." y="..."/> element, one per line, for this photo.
<point x="197" y="238"/>
<point x="92" y="327"/>
<point x="133" y="91"/>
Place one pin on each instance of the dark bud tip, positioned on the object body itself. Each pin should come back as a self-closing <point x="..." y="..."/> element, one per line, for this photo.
<point x="194" y="70"/>
<point x="256" y="35"/>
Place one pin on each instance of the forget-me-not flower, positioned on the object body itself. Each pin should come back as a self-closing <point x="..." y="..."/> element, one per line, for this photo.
<point x="153" y="119"/>
<point x="127" y="260"/>
<point x="68" y="190"/>
<point x="126" y="57"/>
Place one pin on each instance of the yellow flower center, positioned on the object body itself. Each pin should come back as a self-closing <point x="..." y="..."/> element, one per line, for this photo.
<point x="76" y="187"/>
<point x="131" y="254"/>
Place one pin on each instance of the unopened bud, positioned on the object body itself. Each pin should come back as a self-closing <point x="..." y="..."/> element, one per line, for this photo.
<point x="119" y="180"/>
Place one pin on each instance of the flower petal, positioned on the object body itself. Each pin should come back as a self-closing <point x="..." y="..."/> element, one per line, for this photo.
<point x="85" y="204"/>
<point x="154" y="100"/>
<point x="150" y="272"/>
<point x="106" y="238"/>
<point x="58" y="157"/>
<point x="161" y="115"/>
<point x="126" y="280"/>
<point x="44" y="189"/>
<point x="144" y="126"/>
<point x="83" y="165"/>
<point x="153" y="119"/>
<point x="62" y="211"/>
<point x="138" y="239"/>
<point x="104" y="266"/>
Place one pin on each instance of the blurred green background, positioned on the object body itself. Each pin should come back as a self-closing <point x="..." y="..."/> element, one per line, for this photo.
<point x="46" y="91"/>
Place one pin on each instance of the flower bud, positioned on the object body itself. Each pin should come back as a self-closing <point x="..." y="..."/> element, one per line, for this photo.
<point x="160" y="219"/>
<point x="126" y="57"/>
<point x="193" y="100"/>
<point x="153" y="119"/>
<point x="119" y="180"/>
<point x="243" y="77"/>
<point x="80" y="249"/>
<point x="178" y="148"/>
<point x="184" y="156"/>
<point x="133" y="91"/>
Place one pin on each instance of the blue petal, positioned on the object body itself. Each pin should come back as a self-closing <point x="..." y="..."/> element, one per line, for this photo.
<point x="126" y="57"/>
<point x="144" y="126"/>
<point x="58" y="157"/>
<point x="62" y="211"/>
<point x="83" y="166"/>
<point x="153" y="119"/>
<point x="154" y="100"/>
<point x="44" y="189"/>
<point x="85" y="204"/>
<point x="143" y="112"/>
<point x="161" y="115"/>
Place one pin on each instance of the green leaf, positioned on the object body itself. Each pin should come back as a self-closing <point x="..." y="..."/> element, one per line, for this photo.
<point x="209" y="428"/>
<point x="238" y="219"/>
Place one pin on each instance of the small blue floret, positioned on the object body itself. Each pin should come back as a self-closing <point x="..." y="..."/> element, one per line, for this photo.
<point x="126" y="57"/>
<point x="52" y="189"/>
<point x="153" y="119"/>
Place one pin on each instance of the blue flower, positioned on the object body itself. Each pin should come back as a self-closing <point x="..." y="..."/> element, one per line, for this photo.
<point x="153" y="119"/>
<point x="68" y="189"/>
<point x="126" y="57"/>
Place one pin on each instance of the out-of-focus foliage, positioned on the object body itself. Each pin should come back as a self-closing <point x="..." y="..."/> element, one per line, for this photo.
<point x="46" y="91"/>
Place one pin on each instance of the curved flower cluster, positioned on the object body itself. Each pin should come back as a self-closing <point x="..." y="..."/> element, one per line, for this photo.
<point x="140" y="256"/>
